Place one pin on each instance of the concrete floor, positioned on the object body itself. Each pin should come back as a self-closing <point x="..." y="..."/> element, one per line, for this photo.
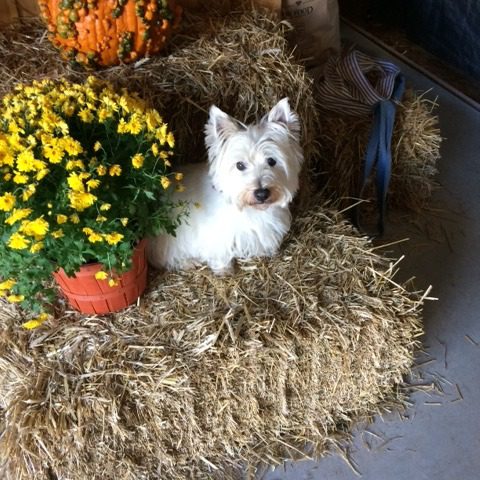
<point x="440" y="439"/>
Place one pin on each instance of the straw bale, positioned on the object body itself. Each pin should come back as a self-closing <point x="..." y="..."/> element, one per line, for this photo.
<point x="241" y="62"/>
<point x="415" y="152"/>
<point x="211" y="374"/>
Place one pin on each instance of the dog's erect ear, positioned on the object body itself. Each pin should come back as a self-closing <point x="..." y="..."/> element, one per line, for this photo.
<point x="281" y="113"/>
<point x="221" y="125"/>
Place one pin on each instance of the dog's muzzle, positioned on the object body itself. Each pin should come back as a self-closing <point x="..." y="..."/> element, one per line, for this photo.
<point x="261" y="194"/>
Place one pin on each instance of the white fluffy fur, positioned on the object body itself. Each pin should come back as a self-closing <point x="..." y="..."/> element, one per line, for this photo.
<point x="226" y="221"/>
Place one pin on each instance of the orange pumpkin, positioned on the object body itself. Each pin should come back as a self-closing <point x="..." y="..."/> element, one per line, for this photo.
<point x="109" y="32"/>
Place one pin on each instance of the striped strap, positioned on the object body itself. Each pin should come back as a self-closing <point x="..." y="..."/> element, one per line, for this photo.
<point x="358" y="85"/>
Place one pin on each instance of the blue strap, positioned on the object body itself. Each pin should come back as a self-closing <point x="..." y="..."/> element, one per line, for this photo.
<point x="378" y="154"/>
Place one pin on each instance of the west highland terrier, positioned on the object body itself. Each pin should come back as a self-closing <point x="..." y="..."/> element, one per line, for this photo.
<point x="240" y="199"/>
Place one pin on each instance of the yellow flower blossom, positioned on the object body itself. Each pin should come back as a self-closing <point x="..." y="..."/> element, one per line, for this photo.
<point x="16" y="298"/>
<point x="124" y="221"/>
<point x="75" y="182"/>
<point x="7" y="202"/>
<point x="18" y="241"/>
<point x="57" y="233"/>
<point x="113" y="238"/>
<point x="97" y="146"/>
<point x="101" y="218"/>
<point x="100" y="275"/>
<point x="87" y="230"/>
<point x="28" y="192"/>
<point x="155" y="149"/>
<point x="36" y="322"/>
<point x="85" y="115"/>
<point x="93" y="184"/>
<point x="71" y="164"/>
<point x="74" y="218"/>
<point x="105" y="207"/>
<point x="153" y="120"/>
<point x="61" y="219"/>
<point x="95" y="237"/>
<point x="102" y="170"/>
<point x="113" y="283"/>
<point x="26" y="161"/>
<point x="179" y="176"/>
<point x="115" y="170"/>
<point x="81" y="200"/>
<point x="36" y="247"/>
<point x="7" y="177"/>
<point x="137" y="160"/>
<point x="37" y="228"/>
<point x="42" y="174"/>
<point x="20" y="178"/>
<point x="165" y="181"/>
<point x="170" y="140"/>
<point x="18" y="214"/>
<point x="134" y="125"/>
<point x="71" y="146"/>
<point x="8" y="284"/>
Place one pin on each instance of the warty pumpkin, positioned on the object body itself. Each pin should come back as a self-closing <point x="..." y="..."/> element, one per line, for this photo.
<point x="109" y="32"/>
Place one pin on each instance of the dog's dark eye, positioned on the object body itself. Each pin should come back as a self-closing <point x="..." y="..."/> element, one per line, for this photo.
<point x="271" y="161"/>
<point x="241" y="166"/>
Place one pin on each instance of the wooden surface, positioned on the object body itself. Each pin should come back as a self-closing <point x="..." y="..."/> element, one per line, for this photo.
<point x="10" y="10"/>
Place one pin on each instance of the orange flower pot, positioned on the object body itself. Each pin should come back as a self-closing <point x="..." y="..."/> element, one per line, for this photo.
<point x="88" y="295"/>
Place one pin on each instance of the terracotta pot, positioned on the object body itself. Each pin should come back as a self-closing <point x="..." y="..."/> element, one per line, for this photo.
<point x="89" y="295"/>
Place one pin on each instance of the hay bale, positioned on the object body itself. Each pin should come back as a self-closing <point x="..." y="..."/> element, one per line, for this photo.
<point x="211" y="374"/>
<point x="415" y="151"/>
<point x="240" y="62"/>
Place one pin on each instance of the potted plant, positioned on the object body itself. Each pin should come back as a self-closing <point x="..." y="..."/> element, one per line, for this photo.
<point x="84" y="176"/>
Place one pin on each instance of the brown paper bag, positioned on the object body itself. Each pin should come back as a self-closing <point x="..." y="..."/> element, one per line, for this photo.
<point x="316" y="28"/>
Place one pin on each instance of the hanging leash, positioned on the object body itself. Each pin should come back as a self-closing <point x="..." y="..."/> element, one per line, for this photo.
<point x="347" y="89"/>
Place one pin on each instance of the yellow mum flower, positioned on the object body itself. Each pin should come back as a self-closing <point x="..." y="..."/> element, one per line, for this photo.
<point x="16" y="298"/>
<point x="135" y="124"/>
<point x="74" y="218"/>
<point x="71" y="164"/>
<point x="30" y="190"/>
<point x="102" y="170"/>
<point x="18" y="214"/>
<point x="81" y="200"/>
<point x="165" y="181"/>
<point x="42" y="173"/>
<point x="53" y="152"/>
<point x="124" y="221"/>
<point x="122" y="126"/>
<point x="100" y="275"/>
<point x="115" y="170"/>
<point x="35" y="322"/>
<point x="85" y="115"/>
<point x="18" y="241"/>
<point x="37" y="228"/>
<point x="153" y="120"/>
<point x="101" y="218"/>
<point x="36" y="247"/>
<point x="87" y="230"/>
<point x="137" y="160"/>
<point x="57" y="233"/>
<point x="71" y="146"/>
<point x="113" y="283"/>
<point x="7" y="177"/>
<point x="92" y="184"/>
<point x="155" y="150"/>
<point x="97" y="146"/>
<point x="61" y="219"/>
<point x="179" y="176"/>
<point x="7" y="202"/>
<point x="26" y="161"/>
<point x="113" y="238"/>
<point x="105" y="207"/>
<point x="170" y="140"/>
<point x="8" y="284"/>
<point x="103" y="114"/>
<point x="95" y="237"/>
<point x="20" y="178"/>
<point x="75" y="182"/>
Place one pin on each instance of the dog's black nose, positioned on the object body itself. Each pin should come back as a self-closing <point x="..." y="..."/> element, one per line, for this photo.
<point x="261" y="194"/>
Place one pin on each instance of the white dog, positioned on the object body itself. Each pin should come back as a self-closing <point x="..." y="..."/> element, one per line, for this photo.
<point x="240" y="199"/>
